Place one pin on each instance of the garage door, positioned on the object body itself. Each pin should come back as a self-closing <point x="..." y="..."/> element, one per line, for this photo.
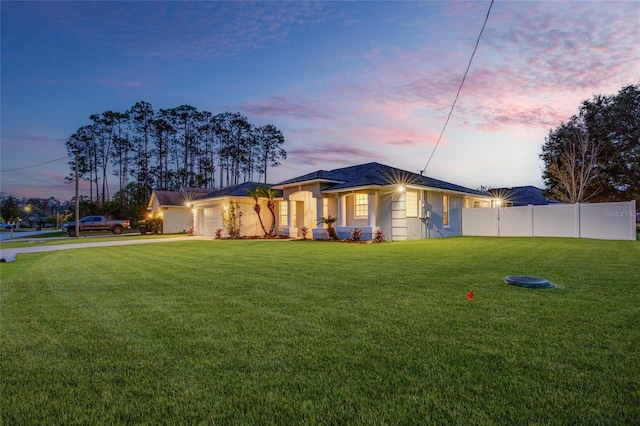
<point x="212" y="220"/>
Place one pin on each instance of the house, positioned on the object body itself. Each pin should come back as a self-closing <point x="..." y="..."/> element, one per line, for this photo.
<point x="207" y="210"/>
<point x="519" y="196"/>
<point x="174" y="208"/>
<point x="375" y="197"/>
<point x="371" y="197"/>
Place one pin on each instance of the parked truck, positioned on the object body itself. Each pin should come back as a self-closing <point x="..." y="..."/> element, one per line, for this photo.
<point x="96" y="223"/>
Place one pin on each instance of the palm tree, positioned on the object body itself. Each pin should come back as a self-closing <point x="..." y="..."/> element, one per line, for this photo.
<point x="270" y="195"/>
<point x="256" y="193"/>
<point x="329" y="221"/>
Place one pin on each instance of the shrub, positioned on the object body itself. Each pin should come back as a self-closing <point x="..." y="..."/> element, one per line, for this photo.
<point x="304" y="231"/>
<point x="232" y="218"/>
<point x="218" y="234"/>
<point x="356" y="234"/>
<point x="329" y="221"/>
<point x="153" y="224"/>
<point x="378" y="236"/>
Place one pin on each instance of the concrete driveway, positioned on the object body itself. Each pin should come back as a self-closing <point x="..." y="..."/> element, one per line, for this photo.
<point x="14" y="235"/>
<point x="10" y="255"/>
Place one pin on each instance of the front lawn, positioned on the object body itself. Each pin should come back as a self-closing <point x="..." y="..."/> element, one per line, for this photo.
<point x="295" y="332"/>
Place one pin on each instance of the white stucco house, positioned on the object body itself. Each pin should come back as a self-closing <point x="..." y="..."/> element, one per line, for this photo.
<point x="375" y="197"/>
<point x="371" y="197"/>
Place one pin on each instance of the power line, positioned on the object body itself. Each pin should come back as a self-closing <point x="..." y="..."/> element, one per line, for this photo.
<point x="35" y="165"/>
<point x="459" y="89"/>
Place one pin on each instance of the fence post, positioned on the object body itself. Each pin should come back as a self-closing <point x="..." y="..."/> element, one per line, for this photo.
<point x="578" y="227"/>
<point x="633" y="213"/>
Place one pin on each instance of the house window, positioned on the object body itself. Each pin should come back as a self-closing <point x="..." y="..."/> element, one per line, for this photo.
<point x="284" y="211"/>
<point x="445" y="210"/>
<point x="412" y="204"/>
<point x="362" y="204"/>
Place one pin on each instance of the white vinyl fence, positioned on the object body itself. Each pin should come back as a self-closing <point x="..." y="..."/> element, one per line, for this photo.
<point x="607" y="221"/>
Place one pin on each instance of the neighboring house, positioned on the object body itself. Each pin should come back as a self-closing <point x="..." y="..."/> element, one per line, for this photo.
<point x="401" y="204"/>
<point x="208" y="210"/>
<point x="519" y="196"/>
<point x="174" y="207"/>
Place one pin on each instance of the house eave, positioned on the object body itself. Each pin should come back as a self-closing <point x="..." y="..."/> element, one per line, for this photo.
<point x="306" y="182"/>
<point x="448" y="191"/>
<point x="352" y="189"/>
<point x="391" y="186"/>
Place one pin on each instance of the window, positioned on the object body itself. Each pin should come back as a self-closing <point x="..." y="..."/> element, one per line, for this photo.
<point x="412" y="204"/>
<point x="284" y="211"/>
<point x="445" y="210"/>
<point x="362" y="205"/>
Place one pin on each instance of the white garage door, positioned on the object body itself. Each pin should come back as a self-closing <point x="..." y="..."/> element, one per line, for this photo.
<point x="212" y="220"/>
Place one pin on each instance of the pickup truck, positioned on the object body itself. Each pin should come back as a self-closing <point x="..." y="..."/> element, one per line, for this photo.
<point x="96" y="223"/>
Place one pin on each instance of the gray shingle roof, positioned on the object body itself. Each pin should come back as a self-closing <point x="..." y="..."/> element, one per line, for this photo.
<point x="376" y="174"/>
<point x="178" y="198"/>
<point x="185" y="195"/>
<point x="240" y="190"/>
<point x="521" y="195"/>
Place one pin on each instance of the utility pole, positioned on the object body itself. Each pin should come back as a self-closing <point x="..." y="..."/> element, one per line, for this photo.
<point x="77" y="201"/>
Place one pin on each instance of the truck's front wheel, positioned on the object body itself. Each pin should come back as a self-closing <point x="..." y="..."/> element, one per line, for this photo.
<point x="117" y="229"/>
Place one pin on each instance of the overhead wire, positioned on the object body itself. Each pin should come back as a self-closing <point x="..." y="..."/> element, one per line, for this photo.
<point x="464" y="77"/>
<point x="35" y="165"/>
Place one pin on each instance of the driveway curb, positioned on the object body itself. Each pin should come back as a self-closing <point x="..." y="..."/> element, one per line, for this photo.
<point x="10" y="255"/>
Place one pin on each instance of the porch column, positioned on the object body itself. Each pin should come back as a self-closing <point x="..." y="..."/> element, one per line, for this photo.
<point x="371" y="209"/>
<point x="319" y="232"/>
<point x="289" y="217"/>
<point x="399" y="216"/>
<point x="319" y="212"/>
<point x="342" y="210"/>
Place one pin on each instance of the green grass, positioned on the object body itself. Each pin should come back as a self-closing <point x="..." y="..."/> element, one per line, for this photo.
<point x="293" y="332"/>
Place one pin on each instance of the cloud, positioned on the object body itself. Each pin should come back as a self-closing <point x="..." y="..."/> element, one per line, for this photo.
<point x="196" y="30"/>
<point x="499" y="117"/>
<point x="321" y="155"/>
<point x="543" y="61"/>
<point x="282" y="106"/>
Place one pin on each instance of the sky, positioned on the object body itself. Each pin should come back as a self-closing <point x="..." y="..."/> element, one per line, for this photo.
<point x="346" y="82"/>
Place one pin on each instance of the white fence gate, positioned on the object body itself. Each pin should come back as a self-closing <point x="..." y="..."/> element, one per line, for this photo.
<point x="607" y="221"/>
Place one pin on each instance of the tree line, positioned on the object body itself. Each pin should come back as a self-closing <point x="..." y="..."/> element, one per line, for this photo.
<point x="595" y="155"/>
<point x="142" y="149"/>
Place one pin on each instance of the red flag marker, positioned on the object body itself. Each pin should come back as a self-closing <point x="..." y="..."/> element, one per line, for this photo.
<point x="470" y="295"/>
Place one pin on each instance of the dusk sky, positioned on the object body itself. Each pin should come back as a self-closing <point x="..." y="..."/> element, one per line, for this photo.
<point x="346" y="82"/>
